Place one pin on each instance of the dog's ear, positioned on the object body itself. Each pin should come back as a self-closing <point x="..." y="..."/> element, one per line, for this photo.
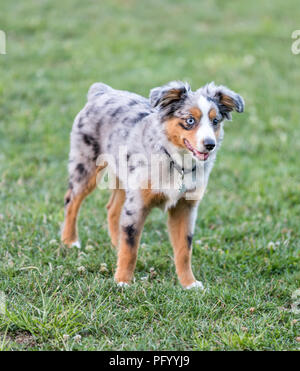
<point x="226" y="99"/>
<point x="169" y="97"/>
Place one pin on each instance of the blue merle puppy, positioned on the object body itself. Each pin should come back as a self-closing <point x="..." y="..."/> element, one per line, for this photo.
<point x="182" y="129"/>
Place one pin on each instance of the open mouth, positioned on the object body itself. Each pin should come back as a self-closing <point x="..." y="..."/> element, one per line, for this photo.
<point x="202" y="156"/>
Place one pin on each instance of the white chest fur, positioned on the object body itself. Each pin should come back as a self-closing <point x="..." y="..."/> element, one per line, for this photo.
<point x="176" y="184"/>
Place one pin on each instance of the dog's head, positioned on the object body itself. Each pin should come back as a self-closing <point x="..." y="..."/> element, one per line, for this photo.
<point x="193" y="120"/>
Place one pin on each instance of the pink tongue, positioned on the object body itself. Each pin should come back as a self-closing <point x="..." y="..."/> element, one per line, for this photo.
<point x="202" y="156"/>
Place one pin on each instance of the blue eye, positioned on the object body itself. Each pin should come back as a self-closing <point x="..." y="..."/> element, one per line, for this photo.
<point x="215" y="121"/>
<point x="190" y="121"/>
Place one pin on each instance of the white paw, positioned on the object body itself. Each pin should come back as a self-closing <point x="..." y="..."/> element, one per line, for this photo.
<point x="123" y="284"/>
<point x="196" y="284"/>
<point x="76" y="244"/>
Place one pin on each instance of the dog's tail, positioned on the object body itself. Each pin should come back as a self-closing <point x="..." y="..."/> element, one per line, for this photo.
<point x="97" y="89"/>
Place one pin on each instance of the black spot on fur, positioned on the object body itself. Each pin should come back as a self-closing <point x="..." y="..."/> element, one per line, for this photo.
<point x="189" y="240"/>
<point x="128" y="212"/>
<point x="91" y="141"/>
<point x="80" y="123"/>
<point x="87" y="139"/>
<point x="70" y="185"/>
<point x="210" y="99"/>
<point x="132" y="103"/>
<point x="139" y="117"/>
<point x="110" y="101"/>
<point x="89" y="110"/>
<point x="117" y="111"/>
<point x="141" y="163"/>
<point x="96" y="149"/>
<point x="131" y="169"/>
<point x="81" y="169"/>
<point x="67" y="200"/>
<point x="131" y="234"/>
<point x="126" y="120"/>
<point x="98" y="126"/>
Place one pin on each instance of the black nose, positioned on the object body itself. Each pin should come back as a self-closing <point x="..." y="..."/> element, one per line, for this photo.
<point x="209" y="144"/>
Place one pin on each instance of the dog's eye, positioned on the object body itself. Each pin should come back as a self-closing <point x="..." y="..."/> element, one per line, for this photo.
<point x="215" y="122"/>
<point x="190" y="121"/>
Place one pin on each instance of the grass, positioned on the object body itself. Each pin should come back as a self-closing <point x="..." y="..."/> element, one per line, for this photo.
<point x="246" y="246"/>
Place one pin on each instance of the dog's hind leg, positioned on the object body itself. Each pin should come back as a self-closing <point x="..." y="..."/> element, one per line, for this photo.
<point x="83" y="171"/>
<point x="114" y="208"/>
<point x="76" y="193"/>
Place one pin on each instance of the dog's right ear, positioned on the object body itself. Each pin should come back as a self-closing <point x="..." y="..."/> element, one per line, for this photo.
<point x="227" y="100"/>
<point x="169" y="97"/>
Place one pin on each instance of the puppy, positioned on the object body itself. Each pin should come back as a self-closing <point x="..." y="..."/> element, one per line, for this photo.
<point x="159" y="152"/>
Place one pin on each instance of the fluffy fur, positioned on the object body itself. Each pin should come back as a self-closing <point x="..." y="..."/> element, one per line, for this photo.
<point x="182" y="129"/>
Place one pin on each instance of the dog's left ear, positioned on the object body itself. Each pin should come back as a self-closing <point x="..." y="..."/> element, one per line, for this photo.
<point x="226" y="99"/>
<point x="169" y="97"/>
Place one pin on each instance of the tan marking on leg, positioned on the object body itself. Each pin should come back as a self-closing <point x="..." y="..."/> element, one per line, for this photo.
<point x="69" y="232"/>
<point x="115" y="206"/>
<point x="178" y="225"/>
<point x="126" y="261"/>
<point x="112" y="196"/>
<point x="151" y="198"/>
<point x="128" y="248"/>
<point x="111" y="200"/>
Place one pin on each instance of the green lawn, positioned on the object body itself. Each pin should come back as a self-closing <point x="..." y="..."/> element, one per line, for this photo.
<point x="246" y="245"/>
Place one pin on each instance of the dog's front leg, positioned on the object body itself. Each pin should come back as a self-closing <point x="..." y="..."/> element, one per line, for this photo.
<point x="181" y="224"/>
<point x="131" y="224"/>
